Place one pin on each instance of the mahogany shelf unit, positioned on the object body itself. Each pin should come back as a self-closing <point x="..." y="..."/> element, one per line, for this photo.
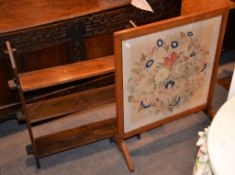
<point x="46" y="110"/>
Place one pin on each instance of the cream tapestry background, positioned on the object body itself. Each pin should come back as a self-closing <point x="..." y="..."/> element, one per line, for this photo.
<point x="167" y="72"/>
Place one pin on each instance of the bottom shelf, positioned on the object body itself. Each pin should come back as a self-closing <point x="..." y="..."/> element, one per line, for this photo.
<point x="74" y="130"/>
<point x="64" y="140"/>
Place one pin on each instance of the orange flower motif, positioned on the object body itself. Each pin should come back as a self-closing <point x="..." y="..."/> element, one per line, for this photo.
<point x="169" y="61"/>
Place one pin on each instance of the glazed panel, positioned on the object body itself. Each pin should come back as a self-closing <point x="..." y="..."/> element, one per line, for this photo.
<point x="168" y="72"/>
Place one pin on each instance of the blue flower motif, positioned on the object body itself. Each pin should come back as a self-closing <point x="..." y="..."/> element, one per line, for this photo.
<point x="190" y="33"/>
<point x="176" y="102"/>
<point x="174" y="44"/>
<point x="204" y="67"/>
<point x="169" y="84"/>
<point x="149" y="63"/>
<point x="159" y="42"/>
<point x="192" y="54"/>
<point x="144" y="105"/>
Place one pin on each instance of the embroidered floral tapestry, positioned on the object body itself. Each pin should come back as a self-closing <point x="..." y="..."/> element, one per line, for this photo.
<point x="168" y="72"/>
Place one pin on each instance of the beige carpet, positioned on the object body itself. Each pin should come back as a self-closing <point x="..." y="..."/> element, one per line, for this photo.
<point x="167" y="150"/>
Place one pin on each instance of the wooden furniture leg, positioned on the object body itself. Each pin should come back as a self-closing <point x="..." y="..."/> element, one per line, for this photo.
<point x="126" y="154"/>
<point x="20" y="116"/>
<point x="210" y="112"/>
<point x="225" y="82"/>
<point x="37" y="162"/>
<point x="138" y="136"/>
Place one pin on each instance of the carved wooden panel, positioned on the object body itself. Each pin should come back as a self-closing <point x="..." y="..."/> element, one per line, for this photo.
<point x="94" y="24"/>
<point x="117" y="19"/>
<point x="42" y="37"/>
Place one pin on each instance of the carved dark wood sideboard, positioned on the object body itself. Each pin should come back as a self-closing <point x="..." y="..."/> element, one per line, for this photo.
<point x="229" y="39"/>
<point x="50" y="33"/>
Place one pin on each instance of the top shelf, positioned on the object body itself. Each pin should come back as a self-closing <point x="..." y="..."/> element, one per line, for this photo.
<point x="58" y="75"/>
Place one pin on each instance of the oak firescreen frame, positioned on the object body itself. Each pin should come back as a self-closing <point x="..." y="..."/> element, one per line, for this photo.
<point x="166" y="70"/>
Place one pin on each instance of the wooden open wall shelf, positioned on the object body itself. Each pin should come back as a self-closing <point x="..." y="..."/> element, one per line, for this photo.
<point x="43" y="112"/>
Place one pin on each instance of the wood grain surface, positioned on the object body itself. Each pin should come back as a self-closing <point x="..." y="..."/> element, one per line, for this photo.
<point x="22" y="14"/>
<point x="68" y="104"/>
<point x="64" y="140"/>
<point x="40" y="12"/>
<point x="66" y="73"/>
<point x="194" y="6"/>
